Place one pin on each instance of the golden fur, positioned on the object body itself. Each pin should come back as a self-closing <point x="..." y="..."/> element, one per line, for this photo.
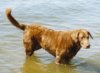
<point x="61" y="44"/>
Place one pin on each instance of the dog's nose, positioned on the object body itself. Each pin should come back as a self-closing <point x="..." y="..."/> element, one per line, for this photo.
<point x="88" y="46"/>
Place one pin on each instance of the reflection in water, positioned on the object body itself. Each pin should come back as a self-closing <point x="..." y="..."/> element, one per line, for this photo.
<point x="34" y="65"/>
<point x="87" y="65"/>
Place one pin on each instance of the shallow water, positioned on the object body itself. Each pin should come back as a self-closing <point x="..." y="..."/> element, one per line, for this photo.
<point x="55" y="14"/>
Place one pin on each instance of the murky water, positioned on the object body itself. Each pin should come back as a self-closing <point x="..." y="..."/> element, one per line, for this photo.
<point x="56" y="14"/>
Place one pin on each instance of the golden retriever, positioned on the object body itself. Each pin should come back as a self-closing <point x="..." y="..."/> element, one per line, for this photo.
<point x="61" y="44"/>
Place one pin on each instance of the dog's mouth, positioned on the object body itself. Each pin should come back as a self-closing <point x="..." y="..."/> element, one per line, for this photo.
<point x="86" y="47"/>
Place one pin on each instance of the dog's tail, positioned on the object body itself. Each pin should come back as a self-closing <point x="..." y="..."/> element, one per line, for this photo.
<point x="13" y="20"/>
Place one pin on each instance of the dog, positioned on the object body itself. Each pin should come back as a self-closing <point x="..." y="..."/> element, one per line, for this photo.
<point x="64" y="44"/>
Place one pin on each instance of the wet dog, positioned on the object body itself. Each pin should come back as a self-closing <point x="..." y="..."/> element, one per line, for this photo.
<point x="61" y="44"/>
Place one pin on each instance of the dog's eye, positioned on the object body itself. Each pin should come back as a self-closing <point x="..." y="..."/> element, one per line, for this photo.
<point x="88" y="37"/>
<point x="82" y="37"/>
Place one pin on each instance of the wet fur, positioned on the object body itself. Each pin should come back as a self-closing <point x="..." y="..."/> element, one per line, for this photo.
<point x="61" y="44"/>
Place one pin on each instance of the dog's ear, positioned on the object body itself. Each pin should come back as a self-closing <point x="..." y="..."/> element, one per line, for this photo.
<point x="90" y="35"/>
<point x="75" y="35"/>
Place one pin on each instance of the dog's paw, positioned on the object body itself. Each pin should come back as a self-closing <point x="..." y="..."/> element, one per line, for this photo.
<point x="58" y="63"/>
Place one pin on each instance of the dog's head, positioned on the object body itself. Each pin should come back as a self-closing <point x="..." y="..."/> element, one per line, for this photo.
<point x="82" y="37"/>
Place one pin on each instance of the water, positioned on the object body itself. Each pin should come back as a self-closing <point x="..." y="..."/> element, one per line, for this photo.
<point x="55" y="14"/>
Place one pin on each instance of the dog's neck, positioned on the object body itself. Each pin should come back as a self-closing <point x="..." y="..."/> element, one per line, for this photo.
<point x="73" y="49"/>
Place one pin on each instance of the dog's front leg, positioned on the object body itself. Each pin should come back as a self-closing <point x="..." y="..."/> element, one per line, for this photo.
<point x="58" y="57"/>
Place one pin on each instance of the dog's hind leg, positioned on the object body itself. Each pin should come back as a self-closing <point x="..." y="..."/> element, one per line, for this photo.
<point x="30" y="45"/>
<point x="29" y="48"/>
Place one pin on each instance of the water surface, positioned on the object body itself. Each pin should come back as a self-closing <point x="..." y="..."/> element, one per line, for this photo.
<point x="55" y="14"/>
